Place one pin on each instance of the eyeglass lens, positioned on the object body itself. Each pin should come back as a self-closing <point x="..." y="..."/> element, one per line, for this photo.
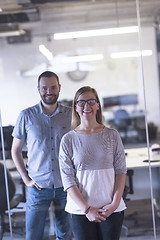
<point x="91" y="102"/>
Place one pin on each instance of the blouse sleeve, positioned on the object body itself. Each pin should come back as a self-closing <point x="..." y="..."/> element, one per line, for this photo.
<point x="19" y="130"/>
<point x="66" y="163"/>
<point x="119" y="155"/>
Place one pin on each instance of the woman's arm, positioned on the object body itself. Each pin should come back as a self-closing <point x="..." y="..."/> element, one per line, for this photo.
<point x="120" y="176"/>
<point x="77" y="197"/>
<point x="118" y="189"/>
<point x="118" y="192"/>
<point x="94" y="214"/>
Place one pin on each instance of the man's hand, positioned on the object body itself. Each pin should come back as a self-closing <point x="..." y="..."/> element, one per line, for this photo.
<point x="30" y="183"/>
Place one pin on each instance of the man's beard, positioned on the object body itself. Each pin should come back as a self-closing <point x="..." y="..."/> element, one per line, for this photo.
<point x="49" y="101"/>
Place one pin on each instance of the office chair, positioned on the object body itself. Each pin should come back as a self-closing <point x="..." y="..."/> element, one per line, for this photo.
<point x="13" y="198"/>
<point x="121" y="122"/>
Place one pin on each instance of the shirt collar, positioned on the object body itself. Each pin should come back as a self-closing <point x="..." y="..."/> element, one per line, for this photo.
<point x="58" y="109"/>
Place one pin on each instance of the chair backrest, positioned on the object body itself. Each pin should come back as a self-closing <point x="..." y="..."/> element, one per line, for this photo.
<point x="11" y="189"/>
<point x="121" y="118"/>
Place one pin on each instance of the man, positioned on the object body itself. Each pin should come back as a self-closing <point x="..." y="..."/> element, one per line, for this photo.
<point x="42" y="127"/>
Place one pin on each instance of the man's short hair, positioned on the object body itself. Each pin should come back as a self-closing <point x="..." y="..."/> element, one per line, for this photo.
<point x="48" y="74"/>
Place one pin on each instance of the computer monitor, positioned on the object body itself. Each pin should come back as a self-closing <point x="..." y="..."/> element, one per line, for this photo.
<point x="128" y="99"/>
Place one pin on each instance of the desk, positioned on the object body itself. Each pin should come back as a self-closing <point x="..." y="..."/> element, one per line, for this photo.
<point x="10" y="164"/>
<point x="12" y="169"/>
<point x="141" y="181"/>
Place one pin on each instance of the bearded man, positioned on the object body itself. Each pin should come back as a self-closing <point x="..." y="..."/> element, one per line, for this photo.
<point x="41" y="127"/>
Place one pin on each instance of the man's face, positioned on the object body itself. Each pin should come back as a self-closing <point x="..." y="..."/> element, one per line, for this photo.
<point x="49" y="90"/>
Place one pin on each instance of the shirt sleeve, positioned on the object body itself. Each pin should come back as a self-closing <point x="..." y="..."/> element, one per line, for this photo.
<point x="119" y="155"/>
<point x="66" y="164"/>
<point x="19" y="129"/>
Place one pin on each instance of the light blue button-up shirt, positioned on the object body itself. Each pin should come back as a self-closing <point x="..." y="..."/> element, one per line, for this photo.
<point x="42" y="134"/>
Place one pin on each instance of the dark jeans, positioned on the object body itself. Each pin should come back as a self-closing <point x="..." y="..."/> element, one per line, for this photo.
<point x="109" y="229"/>
<point x="38" y="202"/>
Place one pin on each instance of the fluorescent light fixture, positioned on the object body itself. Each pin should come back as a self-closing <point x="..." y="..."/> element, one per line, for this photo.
<point x="131" y="54"/>
<point x="84" y="58"/>
<point x="1" y="10"/>
<point x="45" y="52"/>
<point x="11" y="33"/>
<point x="98" y="32"/>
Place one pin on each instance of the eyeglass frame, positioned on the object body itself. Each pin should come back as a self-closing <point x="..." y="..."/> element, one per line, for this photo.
<point x="86" y="101"/>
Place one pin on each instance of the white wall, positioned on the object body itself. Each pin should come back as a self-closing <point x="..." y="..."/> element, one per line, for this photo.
<point x="109" y="77"/>
<point x="151" y="78"/>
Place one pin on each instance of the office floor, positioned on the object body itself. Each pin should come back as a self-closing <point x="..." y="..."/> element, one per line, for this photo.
<point x="138" y="220"/>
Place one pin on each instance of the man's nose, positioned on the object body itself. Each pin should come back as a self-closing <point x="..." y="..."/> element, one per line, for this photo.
<point x="49" y="90"/>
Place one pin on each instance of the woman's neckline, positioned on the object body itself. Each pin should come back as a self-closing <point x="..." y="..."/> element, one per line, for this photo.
<point x="84" y="132"/>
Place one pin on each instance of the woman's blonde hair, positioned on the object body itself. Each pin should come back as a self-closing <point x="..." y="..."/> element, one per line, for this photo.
<point x="75" y="116"/>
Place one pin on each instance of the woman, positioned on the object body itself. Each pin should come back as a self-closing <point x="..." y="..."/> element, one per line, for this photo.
<point x="93" y="168"/>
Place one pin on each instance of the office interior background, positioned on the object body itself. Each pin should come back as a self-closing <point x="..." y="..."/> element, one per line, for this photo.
<point x="123" y="68"/>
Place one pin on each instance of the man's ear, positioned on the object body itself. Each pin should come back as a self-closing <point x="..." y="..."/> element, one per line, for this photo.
<point x="59" y="87"/>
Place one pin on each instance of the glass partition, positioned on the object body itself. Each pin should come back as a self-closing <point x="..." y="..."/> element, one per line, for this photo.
<point x="123" y="80"/>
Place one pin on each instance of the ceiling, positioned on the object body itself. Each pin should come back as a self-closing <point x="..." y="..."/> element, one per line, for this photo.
<point x="45" y="17"/>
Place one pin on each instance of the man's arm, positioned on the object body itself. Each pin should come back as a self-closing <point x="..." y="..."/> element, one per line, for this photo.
<point x="19" y="162"/>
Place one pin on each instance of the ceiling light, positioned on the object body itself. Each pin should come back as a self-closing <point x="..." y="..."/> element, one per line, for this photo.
<point x="131" y="54"/>
<point x="98" y="32"/>
<point x="10" y="33"/>
<point x="84" y="58"/>
<point x="45" y="52"/>
<point x="1" y="10"/>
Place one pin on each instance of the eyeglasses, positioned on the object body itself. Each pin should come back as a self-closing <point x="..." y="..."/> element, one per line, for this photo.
<point x="91" y="102"/>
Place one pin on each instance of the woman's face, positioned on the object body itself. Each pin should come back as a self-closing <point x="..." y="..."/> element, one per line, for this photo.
<point x="87" y="105"/>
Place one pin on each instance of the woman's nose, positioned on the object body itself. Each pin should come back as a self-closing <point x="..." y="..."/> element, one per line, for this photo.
<point x="86" y="104"/>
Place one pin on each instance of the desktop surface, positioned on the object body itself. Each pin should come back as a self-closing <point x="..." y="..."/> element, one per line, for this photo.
<point x="137" y="160"/>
